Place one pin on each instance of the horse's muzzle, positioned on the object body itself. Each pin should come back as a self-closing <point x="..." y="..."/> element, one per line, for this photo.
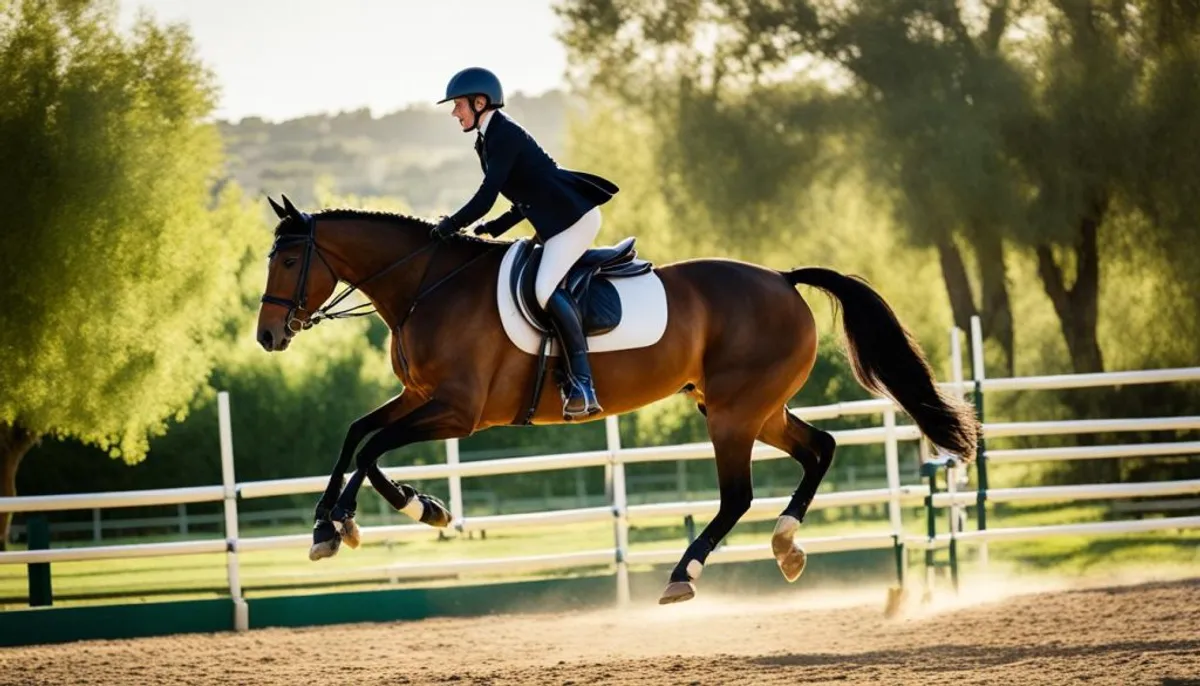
<point x="272" y="343"/>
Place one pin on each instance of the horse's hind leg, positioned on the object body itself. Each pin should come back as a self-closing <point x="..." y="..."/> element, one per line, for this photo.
<point x="813" y="449"/>
<point x="732" y="434"/>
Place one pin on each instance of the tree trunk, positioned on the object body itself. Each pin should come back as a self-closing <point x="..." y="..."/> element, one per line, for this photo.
<point x="958" y="287"/>
<point x="1078" y="306"/>
<point x="996" y="309"/>
<point x="15" y="441"/>
<point x="996" y="315"/>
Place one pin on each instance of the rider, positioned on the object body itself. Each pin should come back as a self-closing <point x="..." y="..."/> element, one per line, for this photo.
<point x="562" y="205"/>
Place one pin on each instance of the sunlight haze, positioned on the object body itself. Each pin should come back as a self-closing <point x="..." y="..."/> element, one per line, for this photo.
<point x="280" y="60"/>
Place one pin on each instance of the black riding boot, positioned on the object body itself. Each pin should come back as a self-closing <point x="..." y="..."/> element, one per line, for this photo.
<point x="580" y="399"/>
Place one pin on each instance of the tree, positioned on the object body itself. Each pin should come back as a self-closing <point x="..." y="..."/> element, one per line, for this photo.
<point x="121" y="244"/>
<point x="994" y="125"/>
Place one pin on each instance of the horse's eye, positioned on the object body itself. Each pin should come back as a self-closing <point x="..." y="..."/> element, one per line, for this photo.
<point x="289" y="263"/>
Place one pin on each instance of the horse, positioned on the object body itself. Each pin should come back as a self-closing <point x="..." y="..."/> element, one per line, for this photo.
<point x="739" y="340"/>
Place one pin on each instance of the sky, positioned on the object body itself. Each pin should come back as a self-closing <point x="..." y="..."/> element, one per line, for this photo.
<point x="280" y="59"/>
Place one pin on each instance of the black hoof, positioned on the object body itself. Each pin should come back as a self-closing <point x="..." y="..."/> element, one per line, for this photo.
<point x="435" y="511"/>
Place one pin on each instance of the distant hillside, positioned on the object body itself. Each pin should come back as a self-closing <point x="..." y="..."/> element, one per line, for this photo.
<point x="418" y="154"/>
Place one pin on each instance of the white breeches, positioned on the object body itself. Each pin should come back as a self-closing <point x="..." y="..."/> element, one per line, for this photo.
<point x="562" y="251"/>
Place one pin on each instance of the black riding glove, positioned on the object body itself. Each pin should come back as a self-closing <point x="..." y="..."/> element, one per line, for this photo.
<point x="444" y="229"/>
<point x="486" y="229"/>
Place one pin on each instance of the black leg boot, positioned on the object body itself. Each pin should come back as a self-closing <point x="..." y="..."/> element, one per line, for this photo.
<point x="581" y="398"/>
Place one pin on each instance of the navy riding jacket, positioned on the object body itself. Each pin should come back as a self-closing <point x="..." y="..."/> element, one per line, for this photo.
<point x="550" y="197"/>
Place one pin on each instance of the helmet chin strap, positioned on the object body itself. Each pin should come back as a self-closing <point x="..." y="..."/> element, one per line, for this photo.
<point x="475" y="114"/>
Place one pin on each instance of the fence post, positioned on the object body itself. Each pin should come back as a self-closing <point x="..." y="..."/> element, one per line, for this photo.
<point x="952" y="474"/>
<point x="41" y="593"/>
<point x="619" y="508"/>
<point x="241" y="613"/>
<point x="930" y="470"/>
<point x="456" y="499"/>
<point x="952" y="489"/>
<point x="956" y="373"/>
<point x="892" y="458"/>
<point x="608" y="479"/>
<point x="981" y="449"/>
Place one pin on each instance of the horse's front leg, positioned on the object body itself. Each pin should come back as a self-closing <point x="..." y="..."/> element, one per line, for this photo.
<point x="435" y="420"/>
<point x="326" y="539"/>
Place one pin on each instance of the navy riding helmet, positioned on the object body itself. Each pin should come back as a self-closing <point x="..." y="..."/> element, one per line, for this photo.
<point x="475" y="81"/>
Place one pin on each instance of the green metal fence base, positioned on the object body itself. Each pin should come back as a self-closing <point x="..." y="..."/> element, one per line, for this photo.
<point x="63" y="624"/>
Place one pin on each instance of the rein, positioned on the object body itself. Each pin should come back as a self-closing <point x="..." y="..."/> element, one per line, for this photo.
<point x="297" y="304"/>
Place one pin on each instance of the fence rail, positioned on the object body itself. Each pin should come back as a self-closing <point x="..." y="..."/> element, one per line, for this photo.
<point x="1031" y="532"/>
<point x="114" y="552"/>
<point x="1181" y="448"/>
<point x="1071" y="493"/>
<point x="614" y="458"/>
<point x="91" y="501"/>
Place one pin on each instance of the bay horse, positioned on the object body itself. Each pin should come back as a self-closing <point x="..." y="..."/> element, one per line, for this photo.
<point x="739" y="340"/>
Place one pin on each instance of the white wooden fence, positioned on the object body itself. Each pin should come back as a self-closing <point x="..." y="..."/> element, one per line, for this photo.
<point x="614" y="458"/>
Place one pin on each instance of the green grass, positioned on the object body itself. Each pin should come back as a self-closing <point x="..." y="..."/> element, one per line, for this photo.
<point x="290" y="571"/>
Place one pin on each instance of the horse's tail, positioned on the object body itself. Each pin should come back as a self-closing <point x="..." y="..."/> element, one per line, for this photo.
<point x="888" y="361"/>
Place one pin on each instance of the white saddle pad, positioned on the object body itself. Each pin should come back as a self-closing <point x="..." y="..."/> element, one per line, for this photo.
<point x="643" y="313"/>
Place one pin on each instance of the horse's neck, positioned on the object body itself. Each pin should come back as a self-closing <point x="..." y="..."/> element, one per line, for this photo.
<point x="366" y="249"/>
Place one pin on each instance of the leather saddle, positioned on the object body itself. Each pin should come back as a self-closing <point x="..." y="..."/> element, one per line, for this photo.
<point x="596" y="299"/>
<point x="587" y="284"/>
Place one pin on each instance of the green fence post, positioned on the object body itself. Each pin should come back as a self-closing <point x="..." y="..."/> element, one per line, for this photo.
<point x="981" y="447"/>
<point x="898" y="550"/>
<point x="930" y="469"/>
<point x="952" y="489"/>
<point x="40" y="591"/>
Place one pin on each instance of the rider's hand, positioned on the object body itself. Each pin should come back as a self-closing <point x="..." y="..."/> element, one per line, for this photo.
<point x="443" y="229"/>
<point x="483" y="229"/>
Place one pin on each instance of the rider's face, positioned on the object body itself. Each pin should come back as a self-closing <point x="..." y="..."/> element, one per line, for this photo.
<point x="462" y="111"/>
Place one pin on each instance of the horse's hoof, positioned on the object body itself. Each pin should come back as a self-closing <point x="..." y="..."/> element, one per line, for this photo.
<point x="349" y="532"/>
<point x="788" y="554"/>
<point x="320" y="551"/>
<point x="326" y="542"/>
<point x="677" y="592"/>
<point x="424" y="508"/>
<point x="434" y="511"/>
<point x="792" y="563"/>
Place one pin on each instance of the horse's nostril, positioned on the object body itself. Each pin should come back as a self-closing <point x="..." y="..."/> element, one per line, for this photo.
<point x="266" y="339"/>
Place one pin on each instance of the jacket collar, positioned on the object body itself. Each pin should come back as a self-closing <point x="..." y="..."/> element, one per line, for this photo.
<point x="484" y="120"/>
<point x="492" y="121"/>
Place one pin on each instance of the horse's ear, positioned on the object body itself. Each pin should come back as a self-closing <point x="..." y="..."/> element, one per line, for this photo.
<point x="291" y="209"/>
<point x="279" y="211"/>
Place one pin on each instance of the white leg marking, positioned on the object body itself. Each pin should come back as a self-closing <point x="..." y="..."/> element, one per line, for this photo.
<point x="415" y="508"/>
<point x="786" y="525"/>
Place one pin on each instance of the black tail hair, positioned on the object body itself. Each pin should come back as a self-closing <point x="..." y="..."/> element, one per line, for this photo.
<point x="888" y="361"/>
